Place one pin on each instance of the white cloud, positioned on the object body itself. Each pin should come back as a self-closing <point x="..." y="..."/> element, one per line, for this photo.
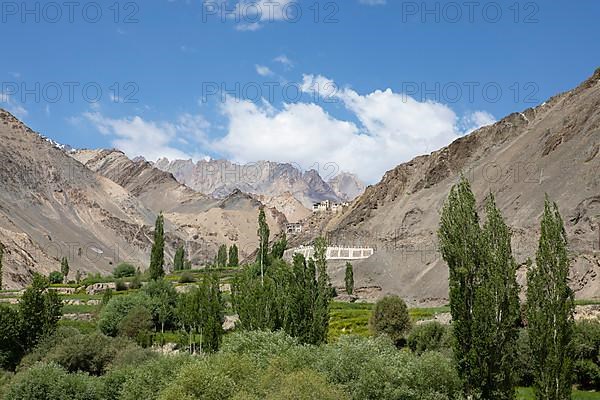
<point x="391" y="128"/>
<point x="12" y="106"/>
<point x="382" y="130"/>
<point x="263" y="70"/>
<point x="476" y="120"/>
<point x="152" y="140"/>
<point x="284" y="60"/>
<point x="253" y="15"/>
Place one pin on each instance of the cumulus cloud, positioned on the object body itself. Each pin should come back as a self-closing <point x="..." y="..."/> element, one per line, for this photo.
<point x="389" y="128"/>
<point x="381" y="130"/>
<point x="153" y="140"/>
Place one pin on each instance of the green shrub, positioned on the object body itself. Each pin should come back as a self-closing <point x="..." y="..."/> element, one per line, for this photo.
<point x="587" y="374"/>
<point x="260" y="344"/>
<point x="46" y="345"/>
<point x="117" y="309"/>
<point x="137" y="325"/>
<point x="91" y="353"/>
<point x="390" y="317"/>
<point x="431" y="336"/>
<point x="586" y="351"/>
<point x="374" y="369"/>
<point x="136" y="282"/>
<point x="148" y="379"/>
<point x="187" y="277"/>
<point x="120" y="285"/>
<point x="51" y="382"/>
<point x="56" y="277"/>
<point x="124" y="270"/>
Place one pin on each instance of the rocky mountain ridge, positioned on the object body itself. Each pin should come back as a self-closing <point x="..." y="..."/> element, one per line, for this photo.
<point x="219" y="178"/>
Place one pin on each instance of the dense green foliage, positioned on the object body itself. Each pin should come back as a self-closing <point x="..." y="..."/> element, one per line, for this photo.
<point x="263" y="242"/>
<point x="349" y="279"/>
<point x="234" y="258"/>
<point x="124" y="270"/>
<point x="157" y="256"/>
<point x="390" y="317"/>
<point x="56" y="277"/>
<point x="550" y="307"/>
<point x="431" y="336"/>
<point x="64" y="267"/>
<point x="292" y="298"/>
<point x="483" y="294"/>
<point x="36" y="316"/>
<point x="221" y="261"/>
<point x="586" y="353"/>
<point x="279" y="248"/>
<point x="1" y="256"/>
<point x="179" y="259"/>
<point x="200" y="311"/>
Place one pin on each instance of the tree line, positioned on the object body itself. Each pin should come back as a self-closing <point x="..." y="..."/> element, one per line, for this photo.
<point x="484" y="300"/>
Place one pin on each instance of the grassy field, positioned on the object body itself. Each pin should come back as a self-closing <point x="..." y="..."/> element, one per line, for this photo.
<point x="353" y="318"/>
<point x="527" y="394"/>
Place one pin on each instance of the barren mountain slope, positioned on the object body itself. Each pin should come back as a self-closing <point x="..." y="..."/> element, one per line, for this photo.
<point x="52" y="206"/>
<point x="221" y="177"/>
<point x="553" y="149"/>
<point x="217" y="221"/>
<point x="347" y="186"/>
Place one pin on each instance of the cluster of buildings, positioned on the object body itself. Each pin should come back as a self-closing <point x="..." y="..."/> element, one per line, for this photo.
<point x="327" y="205"/>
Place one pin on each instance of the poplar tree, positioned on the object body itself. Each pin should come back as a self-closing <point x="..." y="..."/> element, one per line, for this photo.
<point x="496" y="310"/>
<point x="234" y="260"/>
<point x="279" y="248"/>
<point x="460" y="246"/>
<point x="215" y="315"/>
<point x="222" y="256"/>
<point x="324" y="292"/>
<point x="550" y="307"/>
<point x="1" y="255"/>
<point x="263" y="243"/>
<point x="179" y="260"/>
<point x="64" y="267"/>
<point x="349" y="279"/>
<point x="157" y="256"/>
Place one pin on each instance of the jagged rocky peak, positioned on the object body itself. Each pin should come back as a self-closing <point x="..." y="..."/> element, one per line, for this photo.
<point x="219" y="178"/>
<point x="347" y="186"/>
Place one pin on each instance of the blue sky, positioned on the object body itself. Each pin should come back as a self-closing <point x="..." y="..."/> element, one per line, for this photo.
<point x="362" y="84"/>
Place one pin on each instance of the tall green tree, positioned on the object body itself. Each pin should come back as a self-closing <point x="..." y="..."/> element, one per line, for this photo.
<point x="349" y="279"/>
<point x="39" y="310"/>
<point x="460" y="245"/>
<point x="550" y="307"/>
<point x="279" y="248"/>
<point x="234" y="260"/>
<point x="254" y="299"/>
<point x="157" y="256"/>
<point x="191" y="312"/>
<point x="222" y="257"/>
<point x="215" y="316"/>
<point x="496" y="312"/>
<point x="1" y="256"/>
<point x="179" y="259"/>
<point x="324" y="292"/>
<point x="64" y="267"/>
<point x="263" y="243"/>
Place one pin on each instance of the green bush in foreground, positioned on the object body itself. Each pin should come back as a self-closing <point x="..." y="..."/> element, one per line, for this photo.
<point x="390" y="317"/>
<point x="124" y="270"/>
